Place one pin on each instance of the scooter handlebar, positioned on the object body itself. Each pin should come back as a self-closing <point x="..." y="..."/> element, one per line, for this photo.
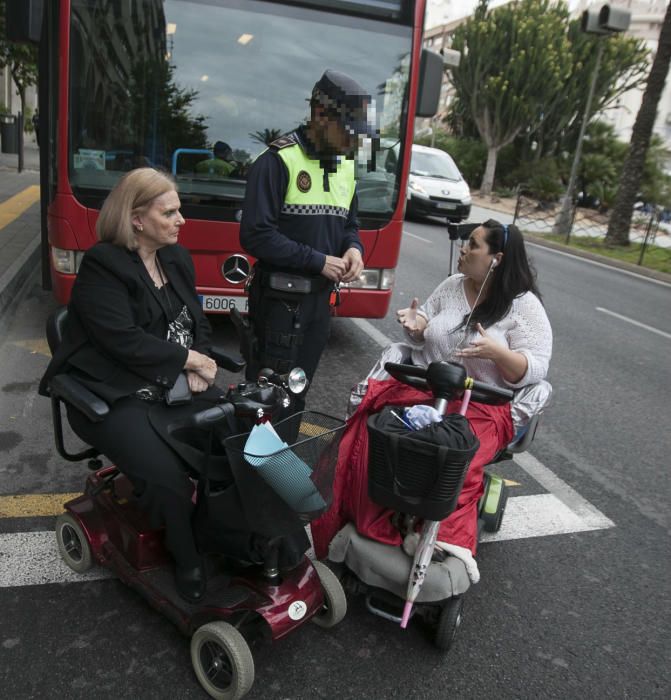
<point x="212" y="416"/>
<point x="447" y="378"/>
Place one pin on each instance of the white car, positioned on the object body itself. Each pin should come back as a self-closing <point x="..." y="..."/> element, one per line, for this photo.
<point x="436" y="187"/>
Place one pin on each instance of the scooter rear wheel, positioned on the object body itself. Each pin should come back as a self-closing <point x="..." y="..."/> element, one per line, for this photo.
<point x="448" y="623"/>
<point x="335" y="602"/>
<point x="73" y="544"/>
<point x="222" y="661"/>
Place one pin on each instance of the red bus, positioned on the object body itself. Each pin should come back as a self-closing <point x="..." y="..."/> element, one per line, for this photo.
<point x="127" y="83"/>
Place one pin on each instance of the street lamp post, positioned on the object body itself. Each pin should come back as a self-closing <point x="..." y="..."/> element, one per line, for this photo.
<point x="606" y="21"/>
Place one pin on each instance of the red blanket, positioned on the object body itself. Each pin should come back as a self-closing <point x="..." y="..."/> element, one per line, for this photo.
<point x="491" y="424"/>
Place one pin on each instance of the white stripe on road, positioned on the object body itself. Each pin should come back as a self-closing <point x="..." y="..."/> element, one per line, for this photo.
<point x="419" y="238"/>
<point x="539" y="516"/>
<point x="32" y="559"/>
<point x="645" y="278"/>
<point x="369" y="329"/>
<point x="634" y="323"/>
<point x="568" y="496"/>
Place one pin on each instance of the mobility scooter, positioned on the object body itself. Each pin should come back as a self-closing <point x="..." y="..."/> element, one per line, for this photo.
<point x="260" y="582"/>
<point x="422" y="485"/>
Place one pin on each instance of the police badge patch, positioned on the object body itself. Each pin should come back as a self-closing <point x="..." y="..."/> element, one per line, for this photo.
<point x="303" y="181"/>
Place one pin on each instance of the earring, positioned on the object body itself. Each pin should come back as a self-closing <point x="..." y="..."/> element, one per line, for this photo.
<point x="139" y="228"/>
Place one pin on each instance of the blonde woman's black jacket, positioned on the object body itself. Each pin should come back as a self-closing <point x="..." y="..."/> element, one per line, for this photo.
<point x="114" y="341"/>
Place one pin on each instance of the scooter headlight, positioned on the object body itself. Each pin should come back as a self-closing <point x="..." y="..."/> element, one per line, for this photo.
<point x="297" y="381"/>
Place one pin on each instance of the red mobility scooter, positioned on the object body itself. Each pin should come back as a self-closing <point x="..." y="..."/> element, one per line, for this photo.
<point x="260" y="581"/>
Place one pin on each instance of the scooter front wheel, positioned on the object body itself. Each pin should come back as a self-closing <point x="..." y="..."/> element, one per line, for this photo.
<point x="73" y="544"/>
<point x="335" y="602"/>
<point x="222" y="661"/>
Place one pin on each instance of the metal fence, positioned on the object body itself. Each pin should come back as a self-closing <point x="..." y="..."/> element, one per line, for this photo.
<point x="647" y="231"/>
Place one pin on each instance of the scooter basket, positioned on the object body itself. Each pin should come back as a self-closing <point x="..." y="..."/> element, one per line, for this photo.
<point x="409" y="473"/>
<point x="293" y="483"/>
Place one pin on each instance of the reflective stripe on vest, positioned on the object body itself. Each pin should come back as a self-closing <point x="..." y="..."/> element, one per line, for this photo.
<point x="307" y="174"/>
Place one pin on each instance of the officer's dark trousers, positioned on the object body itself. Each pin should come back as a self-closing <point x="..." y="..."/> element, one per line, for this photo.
<point x="291" y="330"/>
<point x="158" y="474"/>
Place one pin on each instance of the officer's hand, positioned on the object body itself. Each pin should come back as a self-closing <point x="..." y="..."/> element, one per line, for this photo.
<point x="334" y="268"/>
<point x="354" y="262"/>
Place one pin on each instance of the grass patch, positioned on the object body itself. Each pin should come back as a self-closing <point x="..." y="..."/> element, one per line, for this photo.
<point x="655" y="257"/>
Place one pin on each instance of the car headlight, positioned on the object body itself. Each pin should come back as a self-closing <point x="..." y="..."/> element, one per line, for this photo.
<point x="415" y="186"/>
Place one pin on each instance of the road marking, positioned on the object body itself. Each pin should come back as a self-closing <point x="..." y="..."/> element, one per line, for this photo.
<point x="419" y="238"/>
<point x="538" y="516"/>
<point x="36" y="346"/>
<point x="369" y="329"/>
<point x="32" y="559"/>
<point x="13" y="207"/>
<point x="34" y="505"/>
<point x="598" y="264"/>
<point x="634" y="323"/>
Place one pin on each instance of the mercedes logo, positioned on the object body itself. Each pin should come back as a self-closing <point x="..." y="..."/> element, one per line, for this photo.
<point x="235" y="269"/>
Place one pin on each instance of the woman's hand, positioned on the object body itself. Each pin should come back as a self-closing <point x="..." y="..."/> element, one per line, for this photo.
<point x="413" y="324"/>
<point x="482" y="348"/>
<point x="512" y="365"/>
<point x="202" y="365"/>
<point x="196" y="382"/>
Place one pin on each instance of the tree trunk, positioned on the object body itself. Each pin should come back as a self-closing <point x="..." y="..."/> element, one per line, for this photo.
<point x="632" y="171"/>
<point x="490" y="170"/>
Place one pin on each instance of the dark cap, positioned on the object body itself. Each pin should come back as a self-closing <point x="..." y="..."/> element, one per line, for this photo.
<point x="344" y="96"/>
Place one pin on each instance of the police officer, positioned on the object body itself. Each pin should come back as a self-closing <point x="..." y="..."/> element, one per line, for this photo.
<point x="300" y="221"/>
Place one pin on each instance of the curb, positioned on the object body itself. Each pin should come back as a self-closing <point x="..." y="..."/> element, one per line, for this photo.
<point x="18" y="273"/>
<point x="604" y="260"/>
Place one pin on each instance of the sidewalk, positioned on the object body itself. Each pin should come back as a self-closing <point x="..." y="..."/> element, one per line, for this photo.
<point x="31" y="158"/>
<point x="19" y="228"/>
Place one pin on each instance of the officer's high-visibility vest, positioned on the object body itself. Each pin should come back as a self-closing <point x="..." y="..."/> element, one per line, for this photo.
<point x="305" y="193"/>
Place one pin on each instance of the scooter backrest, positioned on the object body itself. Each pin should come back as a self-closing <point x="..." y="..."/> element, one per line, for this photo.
<point x="55" y="327"/>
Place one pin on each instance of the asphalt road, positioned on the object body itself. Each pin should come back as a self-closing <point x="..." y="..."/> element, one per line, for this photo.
<point x="579" y="614"/>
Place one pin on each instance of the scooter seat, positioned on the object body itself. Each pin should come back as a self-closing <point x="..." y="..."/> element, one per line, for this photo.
<point x="388" y="567"/>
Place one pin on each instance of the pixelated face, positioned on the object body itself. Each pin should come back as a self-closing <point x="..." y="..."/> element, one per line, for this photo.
<point x="342" y="124"/>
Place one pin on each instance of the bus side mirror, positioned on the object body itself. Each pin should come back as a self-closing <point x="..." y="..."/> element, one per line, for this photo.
<point x="24" y="20"/>
<point x="430" y="82"/>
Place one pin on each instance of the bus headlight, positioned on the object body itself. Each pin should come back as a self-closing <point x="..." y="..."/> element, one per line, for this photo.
<point x="372" y="279"/>
<point x="387" y="279"/>
<point x="66" y="262"/>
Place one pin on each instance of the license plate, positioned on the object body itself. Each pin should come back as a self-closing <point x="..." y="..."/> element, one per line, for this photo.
<point x="215" y="304"/>
<point x="446" y="205"/>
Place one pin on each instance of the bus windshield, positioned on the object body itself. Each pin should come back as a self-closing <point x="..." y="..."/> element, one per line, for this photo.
<point x="199" y="88"/>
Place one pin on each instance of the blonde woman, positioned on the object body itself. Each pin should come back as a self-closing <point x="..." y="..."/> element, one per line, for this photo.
<point x="134" y="325"/>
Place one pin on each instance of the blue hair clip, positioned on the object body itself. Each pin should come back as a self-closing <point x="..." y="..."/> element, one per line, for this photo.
<point x="505" y="234"/>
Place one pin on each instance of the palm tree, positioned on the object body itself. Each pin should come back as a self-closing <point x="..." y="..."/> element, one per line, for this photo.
<point x="632" y="171"/>
<point x="267" y="136"/>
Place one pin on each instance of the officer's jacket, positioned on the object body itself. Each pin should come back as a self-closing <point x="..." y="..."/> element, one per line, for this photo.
<point x="296" y="213"/>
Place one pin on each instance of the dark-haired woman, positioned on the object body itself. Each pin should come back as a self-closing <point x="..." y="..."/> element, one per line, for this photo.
<point x="489" y="317"/>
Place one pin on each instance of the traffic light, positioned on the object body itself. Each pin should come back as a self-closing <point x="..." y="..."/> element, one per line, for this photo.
<point x="605" y="20"/>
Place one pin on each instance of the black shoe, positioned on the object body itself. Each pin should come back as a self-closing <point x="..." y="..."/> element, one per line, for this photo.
<point x="191" y="584"/>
